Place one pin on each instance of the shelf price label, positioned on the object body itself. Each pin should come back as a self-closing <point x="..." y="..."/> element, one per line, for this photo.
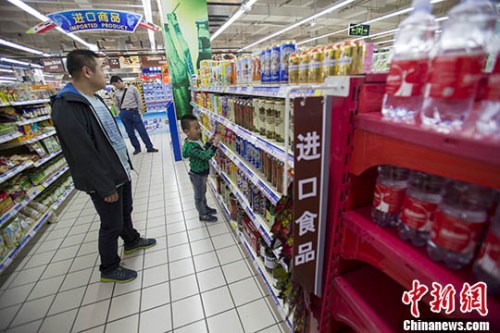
<point x="311" y="125"/>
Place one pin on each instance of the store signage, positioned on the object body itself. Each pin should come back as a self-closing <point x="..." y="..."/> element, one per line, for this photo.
<point x="129" y="61"/>
<point x="310" y="190"/>
<point x="52" y="65"/>
<point x="93" y="19"/>
<point x="153" y="60"/>
<point x="359" y="29"/>
<point x="114" y="63"/>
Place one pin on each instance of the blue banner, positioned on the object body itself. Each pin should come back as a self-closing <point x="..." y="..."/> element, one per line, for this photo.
<point x="96" y="19"/>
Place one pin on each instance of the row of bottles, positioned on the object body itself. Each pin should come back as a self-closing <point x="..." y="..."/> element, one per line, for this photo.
<point x="450" y="217"/>
<point x="435" y="81"/>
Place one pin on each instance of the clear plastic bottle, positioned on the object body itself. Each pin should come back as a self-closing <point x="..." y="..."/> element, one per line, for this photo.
<point x="389" y="195"/>
<point x="423" y="195"/>
<point x="456" y="67"/>
<point x="488" y="122"/>
<point x="459" y="224"/>
<point x="487" y="265"/>
<point x="410" y="64"/>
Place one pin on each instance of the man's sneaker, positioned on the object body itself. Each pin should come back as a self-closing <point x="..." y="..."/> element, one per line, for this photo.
<point x="152" y="150"/>
<point x="137" y="151"/>
<point x="119" y="275"/>
<point x="141" y="243"/>
<point x="211" y="211"/>
<point x="208" y="218"/>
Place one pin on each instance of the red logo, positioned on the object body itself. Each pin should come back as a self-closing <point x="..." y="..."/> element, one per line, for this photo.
<point x="414" y="296"/>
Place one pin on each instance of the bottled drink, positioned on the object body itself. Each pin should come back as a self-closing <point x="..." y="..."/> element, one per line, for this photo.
<point x="459" y="223"/>
<point x="487" y="265"/>
<point x="389" y="195"/>
<point x="488" y="123"/>
<point x="456" y="67"/>
<point x="181" y="42"/>
<point x="204" y="48"/>
<point x="409" y="67"/>
<point x="422" y="197"/>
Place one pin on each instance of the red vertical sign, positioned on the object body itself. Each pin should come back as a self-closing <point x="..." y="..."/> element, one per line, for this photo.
<point x="311" y="137"/>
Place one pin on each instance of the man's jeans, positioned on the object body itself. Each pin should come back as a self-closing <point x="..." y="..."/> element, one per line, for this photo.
<point x="200" y="188"/>
<point x="116" y="221"/>
<point x="132" y="121"/>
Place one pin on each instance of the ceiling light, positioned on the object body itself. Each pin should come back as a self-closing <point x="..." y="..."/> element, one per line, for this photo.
<point x="444" y="18"/>
<point x="8" y="78"/>
<point x="6" y="70"/>
<point x="149" y="17"/>
<point x="12" y="61"/>
<point x="43" y="18"/>
<point x="19" y="47"/>
<point x="245" y="7"/>
<point x="299" y="23"/>
<point x="385" y="41"/>
<point x="382" y="33"/>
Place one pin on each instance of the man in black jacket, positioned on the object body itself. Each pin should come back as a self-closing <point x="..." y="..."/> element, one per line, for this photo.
<point x="98" y="160"/>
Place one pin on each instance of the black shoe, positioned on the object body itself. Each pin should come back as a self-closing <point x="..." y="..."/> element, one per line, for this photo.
<point x="152" y="150"/>
<point x="120" y="275"/>
<point x="211" y="211"/>
<point x="208" y="218"/>
<point x="141" y="243"/>
<point x="137" y="151"/>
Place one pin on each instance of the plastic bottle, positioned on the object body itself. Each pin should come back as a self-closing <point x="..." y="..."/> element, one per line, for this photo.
<point x="389" y="194"/>
<point x="410" y="65"/>
<point x="422" y="197"/>
<point x="457" y="65"/>
<point x="487" y="265"/>
<point x="488" y="122"/>
<point x="459" y="224"/>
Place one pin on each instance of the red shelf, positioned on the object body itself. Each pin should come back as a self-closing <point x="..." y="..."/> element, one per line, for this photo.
<point x="365" y="241"/>
<point x="456" y="156"/>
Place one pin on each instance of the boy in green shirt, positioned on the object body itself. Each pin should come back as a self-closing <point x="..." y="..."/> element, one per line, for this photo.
<point x="199" y="155"/>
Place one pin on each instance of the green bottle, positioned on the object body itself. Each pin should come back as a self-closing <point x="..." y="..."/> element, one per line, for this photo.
<point x="204" y="49"/>
<point x="178" y="75"/>
<point x="181" y="42"/>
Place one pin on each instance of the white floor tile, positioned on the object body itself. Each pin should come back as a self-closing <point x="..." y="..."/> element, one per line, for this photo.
<point x="155" y="296"/>
<point x="91" y="315"/>
<point x="156" y="258"/>
<point x="255" y="316"/>
<point x="72" y="240"/>
<point x="198" y="327"/>
<point x="202" y="246"/>
<point x="66" y="253"/>
<point x="175" y="217"/>
<point x="229" y="255"/>
<point x="177" y="239"/>
<point x="179" y="252"/>
<point x="157" y="320"/>
<point x="223" y="241"/>
<point x="59" y="323"/>
<point x="26" y="328"/>
<point x="245" y="291"/>
<point x="77" y="279"/>
<point x="57" y="268"/>
<point x="174" y="228"/>
<point x="7" y="314"/>
<point x="67" y="300"/>
<point x="33" y="310"/>
<point x="181" y="268"/>
<point x="272" y="329"/>
<point x="86" y="261"/>
<point x="125" y="325"/>
<point x="226" y="322"/>
<point x="155" y="275"/>
<point x="125" y="288"/>
<point x="217" y="301"/>
<point x="134" y="263"/>
<point x="27" y="276"/>
<point x="97" y="292"/>
<point x="40" y="259"/>
<point x="124" y="305"/>
<point x="236" y="271"/>
<point x="184" y="287"/>
<point x="187" y="311"/>
<point x="156" y="232"/>
<point x="205" y="261"/>
<point x="17" y="295"/>
<point x="79" y="229"/>
<point x="46" y="287"/>
<point x="198" y="234"/>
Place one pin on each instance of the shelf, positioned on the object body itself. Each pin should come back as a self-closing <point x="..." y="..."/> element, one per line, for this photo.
<point x="259" y="223"/>
<point x="54" y="177"/>
<point x="380" y="247"/>
<point x="8" y="137"/>
<point x="36" y="226"/>
<point x="273" y="149"/>
<point x="31" y="121"/>
<point x="267" y="189"/>
<point x="37" y="101"/>
<point x="38" y="138"/>
<point x="158" y="101"/>
<point x="14" y="171"/>
<point x="455" y="156"/>
<point x="47" y="158"/>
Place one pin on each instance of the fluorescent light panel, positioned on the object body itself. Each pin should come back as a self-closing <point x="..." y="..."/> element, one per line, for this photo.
<point x="20" y="47"/>
<point x="243" y="8"/>
<point x="8" y="78"/>
<point x="299" y="23"/>
<point x="13" y="61"/>
<point x="5" y="70"/>
<point x="385" y="41"/>
<point x="149" y="17"/>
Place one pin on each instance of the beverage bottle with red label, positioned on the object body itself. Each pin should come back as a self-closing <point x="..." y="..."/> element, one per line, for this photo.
<point x="423" y="195"/>
<point x="389" y="194"/>
<point x="457" y="65"/>
<point x="409" y="67"/>
<point x="459" y="224"/>
<point x="487" y="264"/>
<point x="488" y="122"/>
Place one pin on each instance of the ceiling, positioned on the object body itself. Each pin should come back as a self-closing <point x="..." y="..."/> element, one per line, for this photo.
<point x="265" y="18"/>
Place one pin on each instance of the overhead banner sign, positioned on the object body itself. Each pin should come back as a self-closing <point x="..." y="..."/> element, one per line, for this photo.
<point x="310" y="190"/>
<point x="52" y="65"/>
<point x="153" y="60"/>
<point x="93" y="19"/>
<point x="187" y="42"/>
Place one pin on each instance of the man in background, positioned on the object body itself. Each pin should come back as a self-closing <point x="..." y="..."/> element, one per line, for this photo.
<point x="128" y="103"/>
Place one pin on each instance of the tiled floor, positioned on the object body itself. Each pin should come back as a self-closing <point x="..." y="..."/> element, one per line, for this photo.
<point x="196" y="279"/>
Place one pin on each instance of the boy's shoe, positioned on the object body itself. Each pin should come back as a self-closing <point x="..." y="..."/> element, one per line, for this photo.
<point x="137" y="151"/>
<point x="141" y="243"/>
<point x="119" y="275"/>
<point x="152" y="150"/>
<point x="211" y="211"/>
<point x="208" y="218"/>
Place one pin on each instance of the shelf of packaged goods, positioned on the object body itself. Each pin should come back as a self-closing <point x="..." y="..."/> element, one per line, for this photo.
<point x="36" y="101"/>
<point x="272" y="194"/>
<point x="454" y="156"/>
<point x="380" y="247"/>
<point x="36" y="226"/>
<point x="276" y="91"/>
<point x="273" y="149"/>
<point x="55" y="176"/>
<point x="256" y="219"/>
<point x="157" y="101"/>
<point x="9" y="137"/>
<point x="14" y="171"/>
<point x="40" y="137"/>
<point x="47" y="158"/>
<point x="259" y="266"/>
<point x="31" y="121"/>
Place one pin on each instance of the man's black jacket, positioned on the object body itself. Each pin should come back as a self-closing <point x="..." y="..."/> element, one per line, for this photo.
<point x="94" y="164"/>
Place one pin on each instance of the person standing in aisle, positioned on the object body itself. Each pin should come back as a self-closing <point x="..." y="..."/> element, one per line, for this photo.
<point x="98" y="160"/>
<point x="129" y="103"/>
<point x="199" y="155"/>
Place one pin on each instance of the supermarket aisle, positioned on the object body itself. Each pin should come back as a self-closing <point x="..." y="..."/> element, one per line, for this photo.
<point x="195" y="280"/>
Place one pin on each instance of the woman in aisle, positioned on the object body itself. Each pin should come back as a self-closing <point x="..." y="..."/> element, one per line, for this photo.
<point x="98" y="160"/>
